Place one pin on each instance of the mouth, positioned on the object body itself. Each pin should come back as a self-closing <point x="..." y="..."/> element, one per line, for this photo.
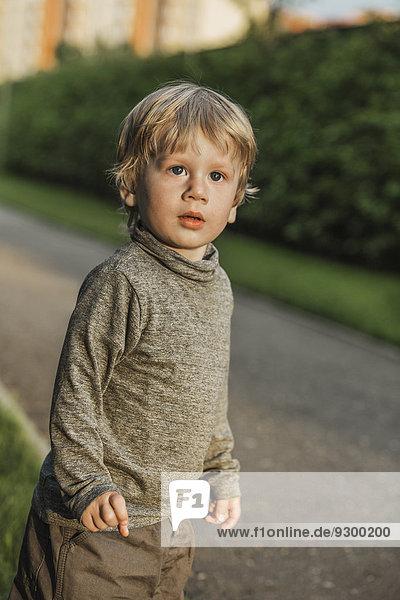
<point x="192" y="220"/>
<point x="192" y="215"/>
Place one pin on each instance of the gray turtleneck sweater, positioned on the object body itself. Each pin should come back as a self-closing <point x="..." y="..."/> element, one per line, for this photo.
<point x="141" y="386"/>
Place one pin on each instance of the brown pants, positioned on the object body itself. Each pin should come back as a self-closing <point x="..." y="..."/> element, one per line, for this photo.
<point x="57" y="563"/>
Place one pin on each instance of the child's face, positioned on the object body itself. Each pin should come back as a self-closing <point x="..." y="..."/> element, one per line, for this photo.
<point x="186" y="198"/>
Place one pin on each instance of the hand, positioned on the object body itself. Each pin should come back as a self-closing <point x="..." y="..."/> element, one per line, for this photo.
<point x="226" y="512"/>
<point x="108" y="510"/>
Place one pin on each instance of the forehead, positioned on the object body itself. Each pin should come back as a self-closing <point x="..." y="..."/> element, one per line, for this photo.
<point x="201" y="144"/>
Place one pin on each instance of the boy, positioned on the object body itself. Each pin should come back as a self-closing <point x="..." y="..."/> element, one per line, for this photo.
<point x="141" y="386"/>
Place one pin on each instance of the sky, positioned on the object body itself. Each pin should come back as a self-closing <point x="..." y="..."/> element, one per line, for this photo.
<point x="342" y="8"/>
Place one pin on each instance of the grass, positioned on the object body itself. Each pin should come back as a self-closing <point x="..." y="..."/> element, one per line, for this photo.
<point x="20" y="458"/>
<point x="71" y="208"/>
<point x="365" y="300"/>
<point x="361" y="299"/>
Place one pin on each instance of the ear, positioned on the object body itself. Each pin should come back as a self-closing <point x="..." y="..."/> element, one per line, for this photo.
<point x="232" y="215"/>
<point x="127" y="197"/>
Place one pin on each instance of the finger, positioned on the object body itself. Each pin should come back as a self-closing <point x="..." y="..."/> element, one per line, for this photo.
<point x="234" y="514"/>
<point x="230" y="522"/>
<point x="218" y="512"/>
<point x="123" y="529"/>
<point x="108" y="515"/>
<point x="119" y="506"/>
<point x="87" y="521"/>
<point x="211" y="519"/>
<point x="222" y="510"/>
<point x="98" y="522"/>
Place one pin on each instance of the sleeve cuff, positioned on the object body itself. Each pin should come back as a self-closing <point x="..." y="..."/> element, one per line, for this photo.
<point x="223" y="484"/>
<point x="79" y="505"/>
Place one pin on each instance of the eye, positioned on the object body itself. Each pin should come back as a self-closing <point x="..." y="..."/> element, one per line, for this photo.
<point x="178" y="170"/>
<point x="216" y="176"/>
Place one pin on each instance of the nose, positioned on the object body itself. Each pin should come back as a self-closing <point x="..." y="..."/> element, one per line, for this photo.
<point x="196" y="190"/>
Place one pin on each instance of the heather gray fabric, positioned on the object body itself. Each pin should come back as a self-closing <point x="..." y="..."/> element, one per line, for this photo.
<point x="141" y="385"/>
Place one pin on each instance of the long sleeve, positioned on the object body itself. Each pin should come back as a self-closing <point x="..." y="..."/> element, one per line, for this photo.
<point x="141" y="387"/>
<point x="103" y="328"/>
<point x="224" y="484"/>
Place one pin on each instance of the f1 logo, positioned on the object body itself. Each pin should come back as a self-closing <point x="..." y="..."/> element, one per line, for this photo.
<point x="189" y="499"/>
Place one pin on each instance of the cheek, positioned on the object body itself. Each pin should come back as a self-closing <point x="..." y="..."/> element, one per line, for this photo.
<point x="158" y="212"/>
<point x="221" y="218"/>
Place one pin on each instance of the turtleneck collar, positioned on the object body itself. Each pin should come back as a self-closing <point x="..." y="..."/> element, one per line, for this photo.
<point x="203" y="270"/>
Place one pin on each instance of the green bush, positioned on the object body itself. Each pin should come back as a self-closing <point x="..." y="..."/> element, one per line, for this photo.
<point x="325" y="107"/>
<point x="329" y="165"/>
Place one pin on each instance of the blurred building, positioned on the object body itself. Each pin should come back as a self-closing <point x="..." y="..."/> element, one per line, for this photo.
<point x="296" y="21"/>
<point x="30" y="30"/>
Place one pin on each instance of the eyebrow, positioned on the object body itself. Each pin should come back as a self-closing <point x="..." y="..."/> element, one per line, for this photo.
<point x="225" y="168"/>
<point x="177" y="156"/>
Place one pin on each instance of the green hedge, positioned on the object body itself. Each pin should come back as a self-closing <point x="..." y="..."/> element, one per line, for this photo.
<point x="325" y="106"/>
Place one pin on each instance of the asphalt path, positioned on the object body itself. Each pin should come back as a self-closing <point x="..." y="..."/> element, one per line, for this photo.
<point x="306" y="394"/>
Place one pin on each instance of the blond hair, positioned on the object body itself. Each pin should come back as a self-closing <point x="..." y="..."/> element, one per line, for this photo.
<point x="166" y="120"/>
